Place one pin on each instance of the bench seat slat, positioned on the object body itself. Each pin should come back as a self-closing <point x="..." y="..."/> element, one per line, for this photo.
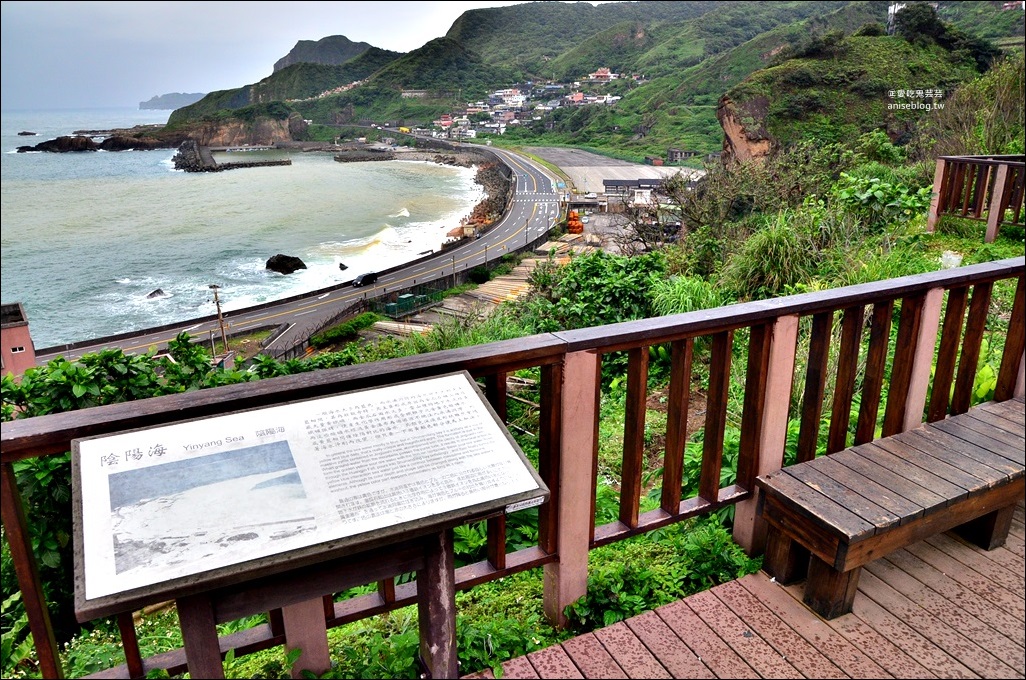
<point x="945" y="447"/>
<point x="896" y="505"/>
<point x="976" y="447"/>
<point x="905" y="466"/>
<point x="808" y="502"/>
<point x="934" y="466"/>
<point x="846" y="495"/>
<point x="1006" y="419"/>
<point x="927" y="500"/>
<point x="1011" y="409"/>
<point x="994" y="427"/>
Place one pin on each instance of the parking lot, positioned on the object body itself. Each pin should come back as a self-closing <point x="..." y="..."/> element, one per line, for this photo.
<point x="586" y="170"/>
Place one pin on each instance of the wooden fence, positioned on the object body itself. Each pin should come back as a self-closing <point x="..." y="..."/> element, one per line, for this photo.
<point x="985" y="188"/>
<point x="928" y="364"/>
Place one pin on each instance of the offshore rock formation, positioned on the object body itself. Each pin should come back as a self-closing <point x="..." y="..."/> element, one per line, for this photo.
<point x="285" y="264"/>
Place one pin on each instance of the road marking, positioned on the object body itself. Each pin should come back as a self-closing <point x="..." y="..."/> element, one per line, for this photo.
<point x="323" y="296"/>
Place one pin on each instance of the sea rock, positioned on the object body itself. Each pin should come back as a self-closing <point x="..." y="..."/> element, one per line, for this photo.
<point x="63" y="144"/>
<point x="158" y="293"/>
<point x="285" y="264"/>
<point x="26" y="133"/>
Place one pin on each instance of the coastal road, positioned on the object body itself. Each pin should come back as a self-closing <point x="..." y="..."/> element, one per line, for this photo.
<point x="533" y="212"/>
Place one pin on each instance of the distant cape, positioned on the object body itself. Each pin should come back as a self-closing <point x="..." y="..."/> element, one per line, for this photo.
<point x="171" y="101"/>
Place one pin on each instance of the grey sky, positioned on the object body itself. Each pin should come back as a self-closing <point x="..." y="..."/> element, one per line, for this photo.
<point x="65" y="55"/>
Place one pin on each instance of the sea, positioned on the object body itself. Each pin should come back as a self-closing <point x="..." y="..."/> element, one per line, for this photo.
<point x="87" y="238"/>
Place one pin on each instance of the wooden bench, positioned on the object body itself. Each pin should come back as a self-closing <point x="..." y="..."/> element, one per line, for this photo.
<point x="829" y="516"/>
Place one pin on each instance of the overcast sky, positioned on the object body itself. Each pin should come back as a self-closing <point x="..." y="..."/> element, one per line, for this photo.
<point x="69" y="55"/>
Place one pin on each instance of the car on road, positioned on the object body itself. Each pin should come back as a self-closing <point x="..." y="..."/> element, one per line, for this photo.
<point x="367" y="279"/>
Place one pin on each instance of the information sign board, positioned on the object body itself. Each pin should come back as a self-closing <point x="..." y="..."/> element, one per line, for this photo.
<point x="159" y="504"/>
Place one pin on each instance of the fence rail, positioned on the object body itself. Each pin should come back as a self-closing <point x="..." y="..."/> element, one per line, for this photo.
<point x="986" y="188"/>
<point x="849" y="352"/>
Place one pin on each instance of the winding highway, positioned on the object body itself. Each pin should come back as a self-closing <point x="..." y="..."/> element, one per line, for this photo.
<point x="532" y="213"/>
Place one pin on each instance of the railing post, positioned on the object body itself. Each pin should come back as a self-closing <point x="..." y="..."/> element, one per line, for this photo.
<point x="997" y="202"/>
<point x="1013" y="364"/>
<point x="566" y="580"/>
<point x="922" y="362"/>
<point x="933" y="217"/>
<point x="749" y="531"/>
<point x="27" y="571"/>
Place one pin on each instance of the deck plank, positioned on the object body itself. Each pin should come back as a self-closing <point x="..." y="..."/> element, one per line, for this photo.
<point x="961" y="596"/>
<point x="591" y="658"/>
<point x="996" y="595"/>
<point x="1001" y="647"/>
<point x="706" y="644"/>
<point x="842" y="653"/>
<point x="553" y="662"/>
<point x="669" y="649"/>
<point x="953" y="642"/>
<point x="793" y="648"/>
<point x="630" y="653"/>
<point x="981" y="563"/>
<point x="736" y="633"/>
<point x="909" y="639"/>
<point x="865" y="637"/>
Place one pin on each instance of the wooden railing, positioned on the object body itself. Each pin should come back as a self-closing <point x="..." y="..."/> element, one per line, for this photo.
<point x="942" y="318"/>
<point x="986" y="188"/>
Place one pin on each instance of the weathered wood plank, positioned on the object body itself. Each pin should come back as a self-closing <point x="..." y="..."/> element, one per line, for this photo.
<point x="908" y="639"/>
<point x="941" y="609"/>
<point x="706" y="644"/>
<point x="950" y="473"/>
<point x="805" y="501"/>
<point x="974" y="446"/>
<point x="844" y="387"/>
<point x="630" y="653"/>
<point x="918" y="475"/>
<point x="591" y="658"/>
<point x="842" y="491"/>
<point x="899" y="487"/>
<point x="953" y="642"/>
<point x="716" y="416"/>
<point x="1014" y="581"/>
<point x="876" y="365"/>
<point x="902" y="509"/>
<point x="842" y="653"/>
<point x="815" y="385"/>
<point x="756" y="651"/>
<point x="938" y="445"/>
<point x="634" y="436"/>
<point x="959" y="595"/>
<point x="681" y="354"/>
<point x="993" y="593"/>
<point x="670" y="650"/>
<point x="553" y="662"/>
<point x="947" y="354"/>
<point x="791" y="646"/>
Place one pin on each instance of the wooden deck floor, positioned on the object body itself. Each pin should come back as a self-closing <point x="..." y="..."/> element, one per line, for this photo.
<point x="939" y="608"/>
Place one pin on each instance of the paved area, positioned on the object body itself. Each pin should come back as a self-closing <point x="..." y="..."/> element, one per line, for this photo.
<point x="586" y="170"/>
<point x="939" y="608"/>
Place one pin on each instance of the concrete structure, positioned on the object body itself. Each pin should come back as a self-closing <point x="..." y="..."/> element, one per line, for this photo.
<point x="17" y="352"/>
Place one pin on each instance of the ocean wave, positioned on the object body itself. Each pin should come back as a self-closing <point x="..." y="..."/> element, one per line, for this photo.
<point x="403" y="212"/>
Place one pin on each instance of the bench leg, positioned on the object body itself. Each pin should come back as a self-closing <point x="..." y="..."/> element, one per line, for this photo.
<point x="830" y="593"/>
<point x="785" y="560"/>
<point x="990" y="530"/>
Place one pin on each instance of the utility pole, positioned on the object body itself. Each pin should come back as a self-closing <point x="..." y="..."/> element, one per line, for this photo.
<point x="220" y="319"/>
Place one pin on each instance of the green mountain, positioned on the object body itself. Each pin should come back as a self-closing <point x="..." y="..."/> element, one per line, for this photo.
<point x="330" y="51"/>
<point x="296" y="82"/>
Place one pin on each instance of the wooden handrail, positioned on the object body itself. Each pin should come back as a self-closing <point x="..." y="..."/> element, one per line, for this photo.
<point x="979" y="188"/>
<point x="570" y="364"/>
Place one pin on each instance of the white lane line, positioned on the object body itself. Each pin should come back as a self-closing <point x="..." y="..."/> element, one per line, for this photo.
<point x="324" y="296"/>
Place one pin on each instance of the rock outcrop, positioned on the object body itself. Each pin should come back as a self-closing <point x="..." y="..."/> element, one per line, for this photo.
<point x="285" y="264"/>
<point x="744" y="136"/>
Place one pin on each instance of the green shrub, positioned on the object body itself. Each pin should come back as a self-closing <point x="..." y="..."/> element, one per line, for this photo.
<point x="345" y="331"/>
<point x="772" y="260"/>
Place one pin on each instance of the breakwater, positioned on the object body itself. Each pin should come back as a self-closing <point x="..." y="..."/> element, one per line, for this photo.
<point x="191" y="157"/>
